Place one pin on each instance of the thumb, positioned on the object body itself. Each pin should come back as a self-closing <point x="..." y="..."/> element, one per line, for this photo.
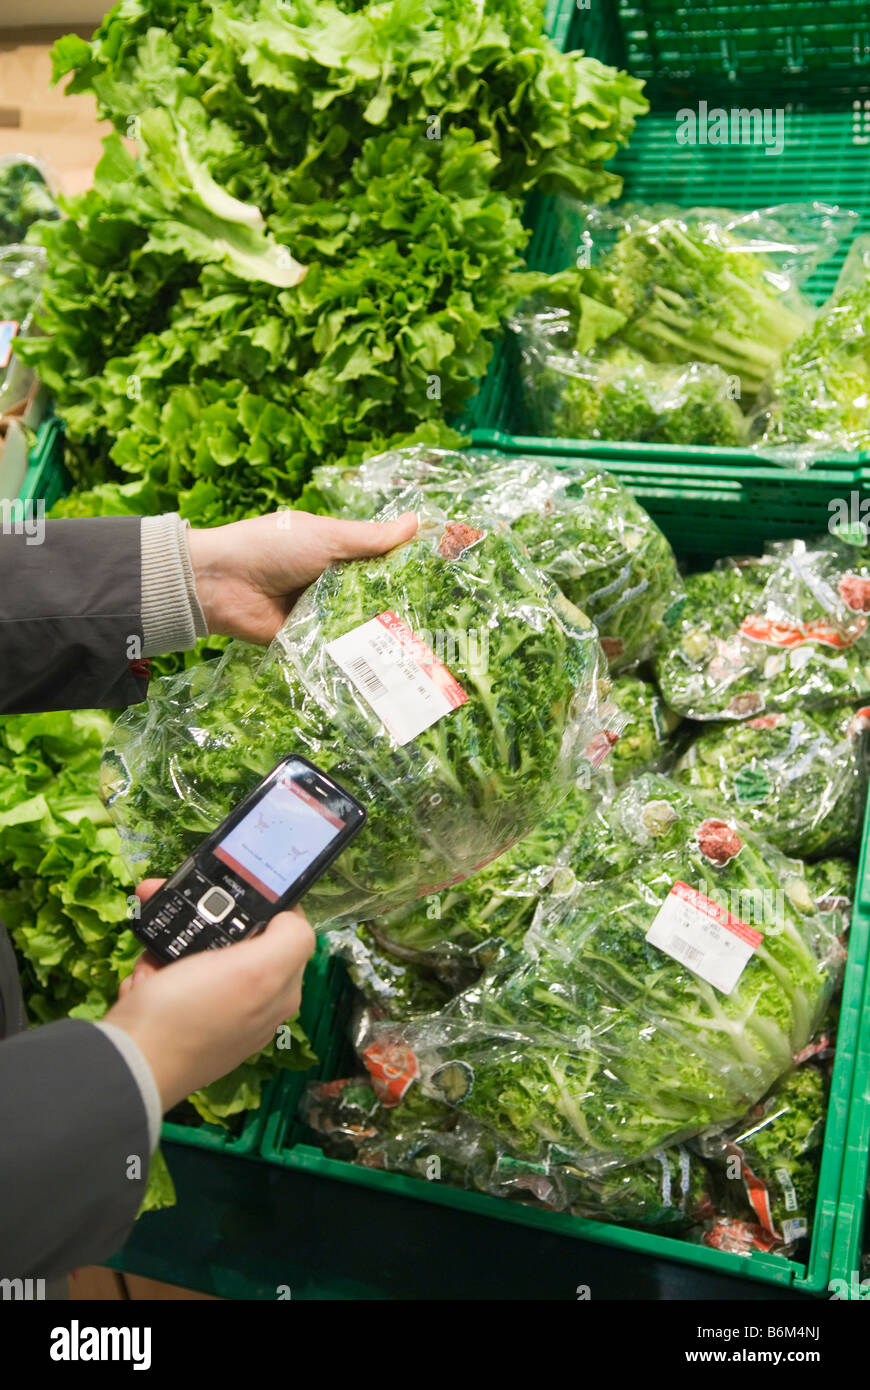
<point x="286" y="944"/>
<point x="353" y="540"/>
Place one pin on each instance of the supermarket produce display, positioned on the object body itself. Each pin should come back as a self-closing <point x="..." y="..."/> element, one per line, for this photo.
<point x="587" y="953"/>
<point x="537" y="1061"/>
<point x="600" y="1042"/>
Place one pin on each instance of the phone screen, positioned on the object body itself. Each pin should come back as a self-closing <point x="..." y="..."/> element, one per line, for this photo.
<point x="279" y="838"/>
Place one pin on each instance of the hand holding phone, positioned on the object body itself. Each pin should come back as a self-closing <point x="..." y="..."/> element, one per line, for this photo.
<point x="216" y="1009"/>
<point x="258" y="862"/>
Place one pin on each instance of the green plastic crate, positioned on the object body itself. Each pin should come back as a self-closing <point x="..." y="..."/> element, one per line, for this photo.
<point x="46" y="479"/>
<point x="671" y="41"/>
<point x="726" y="511"/>
<point x="852" y="1232"/>
<point x="825" y="157"/>
<point x="708" y="507"/>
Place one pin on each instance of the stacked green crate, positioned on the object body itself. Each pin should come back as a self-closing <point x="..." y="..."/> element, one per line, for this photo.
<point x="824" y="158"/>
<point x="736" y="43"/>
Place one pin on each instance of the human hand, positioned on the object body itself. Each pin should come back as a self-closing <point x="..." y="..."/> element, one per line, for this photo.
<point x="249" y="573"/>
<point x="207" y="1013"/>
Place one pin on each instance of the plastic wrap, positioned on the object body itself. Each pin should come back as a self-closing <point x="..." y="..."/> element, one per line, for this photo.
<point x="428" y="1139"/>
<point x="580" y="525"/>
<point x="646" y="739"/>
<point x="394" y="988"/>
<point x="25" y="197"/>
<point x="672" y="319"/>
<point x="668" y="1192"/>
<point x="619" y="395"/>
<point x="786" y="630"/>
<point x="514" y="695"/>
<point x="832" y="883"/>
<point x="423" y="1138"/>
<point x="818" y="399"/>
<point x="799" y="779"/>
<point x="597" y="1045"/>
<point x="470" y="923"/>
<point x="21" y="272"/>
<point x="767" y="1166"/>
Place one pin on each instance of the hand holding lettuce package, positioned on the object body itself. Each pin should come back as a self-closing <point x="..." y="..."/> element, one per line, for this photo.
<point x="447" y="684"/>
<point x="581" y="526"/>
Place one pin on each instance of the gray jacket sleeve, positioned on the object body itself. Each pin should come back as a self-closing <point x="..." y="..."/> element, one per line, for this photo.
<point x="75" y="1138"/>
<point x="74" y="1150"/>
<point x="71" y="616"/>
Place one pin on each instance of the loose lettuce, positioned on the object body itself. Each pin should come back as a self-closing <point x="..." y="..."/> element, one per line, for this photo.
<point x="387" y="148"/>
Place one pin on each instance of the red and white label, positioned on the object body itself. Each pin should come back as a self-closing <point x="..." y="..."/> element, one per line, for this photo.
<point x="697" y="932"/>
<point x="392" y="1067"/>
<point x="406" y="685"/>
<point x="8" y="332"/>
<point x="797" y="634"/>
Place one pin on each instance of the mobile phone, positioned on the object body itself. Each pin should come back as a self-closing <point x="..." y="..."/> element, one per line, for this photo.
<point x="260" y="860"/>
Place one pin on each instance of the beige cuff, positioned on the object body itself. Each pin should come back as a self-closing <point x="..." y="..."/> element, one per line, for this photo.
<point x="142" y="1075"/>
<point x="172" y="618"/>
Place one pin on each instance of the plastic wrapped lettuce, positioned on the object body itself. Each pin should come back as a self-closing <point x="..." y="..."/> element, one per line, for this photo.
<point x="646" y="738"/>
<point x="25" y="197"/>
<point x="618" y="394"/>
<point x="21" y="273"/>
<point x="470" y="923"/>
<point x="781" y="631"/>
<point x="669" y="319"/>
<point x="427" y="1138"/>
<point x="799" y="778"/>
<point x="767" y="1165"/>
<point x="645" y="1007"/>
<point x="818" y="398"/>
<point x="580" y="525"/>
<point x="393" y="986"/>
<point x="669" y="1191"/>
<point x="832" y="883"/>
<point x="423" y="1138"/>
<point x="455" y="758"/>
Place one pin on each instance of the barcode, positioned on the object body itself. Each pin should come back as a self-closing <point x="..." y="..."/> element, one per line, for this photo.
<point x="360" y="670"/>
<point x="690" y="954"/>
